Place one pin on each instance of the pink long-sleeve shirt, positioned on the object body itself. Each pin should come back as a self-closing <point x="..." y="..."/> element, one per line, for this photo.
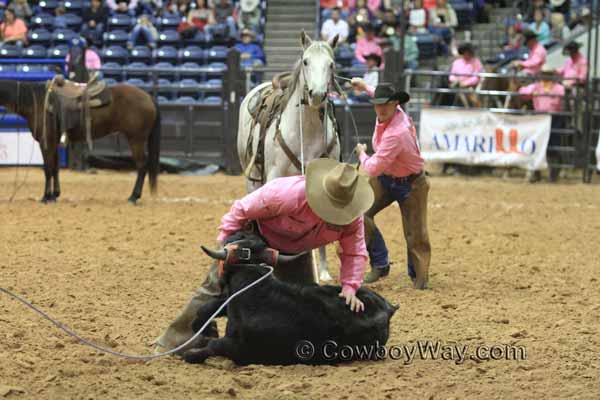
<point x="92" y="60"/>
<point x="541" y="102"/>
<point x="535" y="61"/>
<point x="288" y="224"/>
<point x="462" y="66"/>
<point x="575" y="69"/>
<point x="396" y="149"/>
<point x="365" y="47"/>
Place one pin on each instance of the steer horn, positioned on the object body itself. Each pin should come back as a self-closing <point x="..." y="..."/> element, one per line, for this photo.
<point x="217" y="255"/>
<point x="281" y="258"/>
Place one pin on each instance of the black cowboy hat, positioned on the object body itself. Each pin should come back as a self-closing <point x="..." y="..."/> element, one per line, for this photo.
<point x="385" y="93"/>
<point x="529" y="34"/>
<point x="374" y="57"/>
<point x="464" y="47"/>
<point x="572" y="46"/>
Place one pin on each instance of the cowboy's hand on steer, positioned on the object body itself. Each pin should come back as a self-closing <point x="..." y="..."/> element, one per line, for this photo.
<point x="359" y="84"/>
<point x="353" y="301"/>
<point x="360" y="148"/>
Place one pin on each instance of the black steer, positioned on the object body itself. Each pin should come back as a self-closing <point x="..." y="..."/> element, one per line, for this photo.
<point x="268" y="323"/>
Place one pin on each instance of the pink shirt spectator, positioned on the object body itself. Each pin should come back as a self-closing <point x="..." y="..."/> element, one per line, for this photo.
<point x="429" y="4"/>
<point x="373" y="5"/>
<point x="462" y="66"/>
<point x="288" y="224"/>
<point x="544" y="103"/>
<point x="365" y="47"/>
<point x="395" y="144"/>
<point x="575" y="69"/>
<point x="92" y="60"/>
<point x="535" y="61"/>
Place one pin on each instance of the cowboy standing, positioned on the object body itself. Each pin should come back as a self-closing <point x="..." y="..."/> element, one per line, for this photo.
<point x="296" y="214"/>
<point x="535" y="59"/>
<point x="397" y="166"/>
<point x="574" y="71"/>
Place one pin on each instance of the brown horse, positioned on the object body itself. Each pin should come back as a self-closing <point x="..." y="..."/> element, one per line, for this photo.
<point x="132" y="112"/>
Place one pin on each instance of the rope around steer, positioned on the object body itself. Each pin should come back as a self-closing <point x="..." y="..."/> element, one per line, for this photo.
<point x="135" y="356"/>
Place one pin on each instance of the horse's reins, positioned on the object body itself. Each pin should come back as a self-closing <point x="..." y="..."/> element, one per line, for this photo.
<point x="344" y="96"/>
<point x="89" y="343"/>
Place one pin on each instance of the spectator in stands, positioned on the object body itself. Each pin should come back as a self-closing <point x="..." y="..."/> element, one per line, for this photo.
<point x="327" y="7"/>
<point x="335" y="26"/>
<point x="547" y="97"/>
<point x="537" y="5"/>
<point x="252" y="53"/>
<point x="388" y="24"/>
<point x="224" y="16"/>
<point x="418" y="17"/>
<point x="560" y="31"/>
<point x="21" y="9"/>
<point x="79" y="60"/>
<point x="13" y="30"/>
<point x="145" y="29"/>
<point x="359" y="17"/>
<point x="122" y="6"/>
<point x="536" y="57"/>
<point x="582" y="21"/>
<point x="540" y="27"/>
<point x="94" y="20"/>
<point x="442" y="20"/>
<point x="411" y="50"/>
<point x="60" y="20"/>
<point x="373" y="62"/>
<point x="560" y="6"/>
<point x="429" y="4"/>
<point x="367" y="45"/>
<point x="149" y="7"/>
<point x="574" y="71"/>
<point x="250" y="14"/>
<point x="374" y="6"/>
<point x="467" y="63"/>
<point x="197" y="20"/>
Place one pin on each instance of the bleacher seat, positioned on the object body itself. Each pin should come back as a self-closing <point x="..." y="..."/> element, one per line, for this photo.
<point x="216" y="53"/>
<point x="213" y="100"/>
<point x="39" y="36"/>
<point x="48" y="5"/>
<point x="137" y="69"/>
<point x="117" y="36"/>
<point x="345" y="55"/>
<point x="138" y="82"/>
<point x="120" y="21"/>
<point x="168" y="22"/>
<point x="427" y="44"/>
<point x="33" y="68"/>
<point x="115" y="53"/>
<point x="214" y="83"/>
<point x="10" y="51"/>
<point x="162" y="99"/>
<point x="63" y="36"/>
<point x="110" y="81"/>
<point x="35" y="51"/>
<point x="184" y="70"/>
<point x="42" y="20"/>
<point x="169" y="37"/>
<point x="140" y="53"/>
<point x="73" y="21"/>
<point x="216" y="69"/>
<point x="73" y="5"/>
<point x="192" y="54"/>
<point x="169" y="70"/>
<point x="59" y="51"/>
<point x="464" y="13"/>
<point x="166" y="53"/>
<point x="186" y="100"/>
<point x="116" y="73"/>
<point x="198" y="39"/>
<point x="8" y="68"/>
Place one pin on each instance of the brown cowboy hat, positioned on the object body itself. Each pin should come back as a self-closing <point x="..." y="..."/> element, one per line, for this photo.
<point x="571" y="46"/>
<point x="529" y="34"/>
<point x="336" y="191"/>
<point x="385" y="92"/>
<point x="464" y="47"/>
<point x="374" y="57"/>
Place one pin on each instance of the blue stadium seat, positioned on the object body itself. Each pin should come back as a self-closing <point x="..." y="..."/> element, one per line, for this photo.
<point x="168" y="22"/>
<point x="117" y="36"/>
<point x="59" y="51"/>
<point x="137" y="69"/>
<point x="216" y="69"/>
<point x="140" y="53"/>
<point x="48" y="5"/>
<point x="169" y="70"/>
<point x="42" y="20"/>
<point x="186" y="100"/>
<point x="464" y="14"/>
<point x="164" y="82"/>
<point x="10" y="51"/>
<point x="32" y="68"/>
<point x="120" y="21"/>
<point x="63" y="36"/>
<point x="345" y="55"/>
<point x="40" y="36"/>
<point x="110" y="81"/>
<point x="199" y="39"/>
<point x="35" y="51"/>
<point x="116" y="74"/>
<point x="427" y="44"/>
<point x="168" y="37"/>
<point x="73" y="5"/>
<point x="136" y="82"/>
<point x="192" y="54"/>
<point x="73" y="21"/>
<point x="162" y="99"/>
<point x="214" y="83"/>
<point x="8" y="68"/>
<point x="186" y="83"/>
<point x="164" y="88"/>
<point x="216" y="53"/>
<point x="166" y="53"/>
<point x="115" y="53"/>
<point x="212" y="100"/>
<point x="184" y="70"/>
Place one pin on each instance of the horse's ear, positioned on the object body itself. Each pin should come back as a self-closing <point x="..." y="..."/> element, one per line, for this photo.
<point x="306" y="41"/>
<point x="333" y="42"/>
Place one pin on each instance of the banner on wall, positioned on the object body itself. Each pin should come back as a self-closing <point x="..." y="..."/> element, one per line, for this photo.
<point x="19" y="148"/>
<point x="475" y="137"/>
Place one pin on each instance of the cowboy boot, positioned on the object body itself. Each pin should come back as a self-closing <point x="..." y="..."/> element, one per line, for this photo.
<point x="377" y="273"/>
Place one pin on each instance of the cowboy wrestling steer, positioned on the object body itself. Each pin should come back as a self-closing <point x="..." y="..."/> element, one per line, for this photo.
<point x="266" y="323"/>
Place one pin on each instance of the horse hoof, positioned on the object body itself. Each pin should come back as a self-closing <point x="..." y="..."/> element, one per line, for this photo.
<point x="48" y="199"/>
<point x="132" y="200"/>
<point x="325" y="276"/>
<point x="420" y="284"/>
<point x="195" y="356"/>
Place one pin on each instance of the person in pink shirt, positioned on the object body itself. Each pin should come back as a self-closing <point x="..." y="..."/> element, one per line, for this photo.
<point x="467" y="63"/>
<point x="574" y="71"/>
<point x="537" y="55"/>
<point x="80" y="60"/>
<point x="367" y="45"/>
<point x="296" y="214"/>
<point x="548" y="97"/>
<point x="396" y="168"/>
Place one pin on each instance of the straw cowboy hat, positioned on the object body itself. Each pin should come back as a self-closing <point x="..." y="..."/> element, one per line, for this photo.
<point x="385" y="92"/>
<point x="248" y="32"/>
<point x="547" y="72"/>
<point x="336" y="191"/>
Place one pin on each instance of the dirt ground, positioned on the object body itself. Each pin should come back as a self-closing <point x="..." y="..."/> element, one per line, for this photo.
<point x="513" y="264"/>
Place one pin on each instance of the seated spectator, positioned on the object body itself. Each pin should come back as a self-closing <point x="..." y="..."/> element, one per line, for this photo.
<point x="537" y="5"/>
<point x="327" y="7"/>
<point x="21" y="9"/>
<point x="224" y="16"/>
<point x="94" y="20"/>
<point x="149" y="7"/>
<point x="388" y="24"/>
<point x="367" y="45"/>
<point x="540" y="27"/>
<point x="442" y="20"/>
<point x="536" y="58"/>
<point x="197" y="20"/>
<point x="411" y="50"/>
<point x="145" y="29"/>
<point x="359" y="17"/>
<point x="60" y="21"/>
<point x="418" y="17"/>
<point x="374" y="6"/>
<point x="122" y="6"/>
<point x="574" y="70"/>
<point x="560" y="6"/>
<point x="371" y="77"/>
<point x="581" y="22"/>
<point x="560" y="31"/>
<point x="467" y="63"/>
<point x="79" y="60"/>
<point x="250" y="13"/>
<point x="169" y="9"/>
<point x="335" y="26"/>
<point x="547" y="97"/>
<point x="13" y="30"/>
<point x="251" y="53"/>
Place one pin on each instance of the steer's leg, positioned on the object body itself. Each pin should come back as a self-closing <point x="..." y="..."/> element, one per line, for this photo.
<point x="225" y="347"/>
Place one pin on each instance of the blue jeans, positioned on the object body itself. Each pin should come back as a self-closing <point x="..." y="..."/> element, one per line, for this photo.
<point x="94" y="35"/>
<point x="145" y="32"/>
<point x="398" y="190"/>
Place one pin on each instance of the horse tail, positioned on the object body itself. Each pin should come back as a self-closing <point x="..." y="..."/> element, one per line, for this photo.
<point x="154" y="151"/>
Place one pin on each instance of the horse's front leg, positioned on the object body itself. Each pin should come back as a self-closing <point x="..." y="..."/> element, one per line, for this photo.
<point x="56" y="182"/>
<point x="49" y="156"/>
<point x="323" y="266"/>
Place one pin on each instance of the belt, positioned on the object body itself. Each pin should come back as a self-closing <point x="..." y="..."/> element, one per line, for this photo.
<point x="406" y="179"/>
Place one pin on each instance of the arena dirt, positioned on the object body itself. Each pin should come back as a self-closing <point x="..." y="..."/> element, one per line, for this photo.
<point x="513" y="264"/>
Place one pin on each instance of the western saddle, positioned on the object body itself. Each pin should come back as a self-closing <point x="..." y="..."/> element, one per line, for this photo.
<point x="73" y="90"/>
